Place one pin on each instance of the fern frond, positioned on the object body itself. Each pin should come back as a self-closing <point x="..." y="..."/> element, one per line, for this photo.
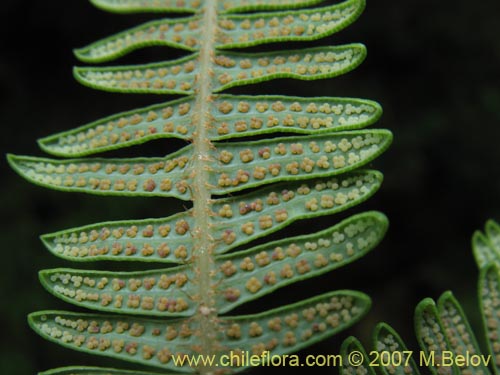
<point x="446" y="338"/>
<point x="237" y="166"/>
<point x="309" y="169"/>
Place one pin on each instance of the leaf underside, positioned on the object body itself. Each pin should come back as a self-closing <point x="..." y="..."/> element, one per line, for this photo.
<point x="155" y="343"/>
<point x="192" y="6"/>
<point x="244" y="276"/>
<point x="386" y="339"/>
<point x="352" y="365"/>
<point x="237" y="166"/>
<point x="240" y="220"/>
<point x="236" y="31"/>
<point x="84" y="370"/>
<point x="232" y="69"/>
<point x="489" y="303"/>
<point x="306" y="168"/>
<point x="234" y="116"/>
<point x="486" y="246"/>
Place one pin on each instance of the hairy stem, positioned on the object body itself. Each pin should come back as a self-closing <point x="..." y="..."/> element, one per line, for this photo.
<point x="203" y="240"/>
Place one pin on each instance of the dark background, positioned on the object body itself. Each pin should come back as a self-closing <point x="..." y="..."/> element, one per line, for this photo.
<point x="433" y="65"/>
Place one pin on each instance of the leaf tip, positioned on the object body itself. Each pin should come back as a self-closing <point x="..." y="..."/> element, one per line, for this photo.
<point x="14" y="162"/>
<point x="446" y="297"/>
<point x="81" y="54"/>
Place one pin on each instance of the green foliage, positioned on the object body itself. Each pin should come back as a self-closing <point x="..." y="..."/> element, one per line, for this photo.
<point x="193" y="6"/>
<point x="446" y="339"/>
<point x="167" y="176"/>
<point x="231" y="120"/>
<point x="236" y="31"/>
<point x="310" y="170"/>
<point x="486" y="246"/>
<point x="231" y="69"/>
<point x="281" y="330"/>
<point x="312" y="255"/>
<point x="350" y="365"/>
<point x="82" y="370"/>
<point x="386" y="339"/>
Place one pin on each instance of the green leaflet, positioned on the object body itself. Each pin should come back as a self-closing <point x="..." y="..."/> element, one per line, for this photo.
<point x="180" y="33"/>
<point x="244" y="276"/>
<point x="167" y="120"/>
<point x="489" y="304"/>
<point x="459" y="332"/>
<point x="234" y="116"/>
<point x="168" y="240"/>
<point x="147" y="341"/>
<point x="311" y="173"/>
<point x="247" y="275"/>
<point x="493" y="233"/>
<point x="126" y="177"/>
<point x="236" y="166"/>
<point x="482" y="249"/>
<point x="431" y="336"/>
<point x="160" y="240"/>
<point x="249" y="164"/>
<point x="235" y="31"/>
<point x="230" y="6"/>
<point x="303" y="25"/>
<point x="154" y="343"/>
<point x="232" y="69"/>
<point x="355" y="360"/>
<point x="447" y="341"/>
<point x="239" y="116"/>
<point x="238" y="69"/>
<point x="486" y="247"/>
<point x="290" y="328"/>
<point x="83" y="370"/>
<point x="398" y="361"/>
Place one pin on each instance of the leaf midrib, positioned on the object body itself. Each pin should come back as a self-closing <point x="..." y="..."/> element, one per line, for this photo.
<point x="203" y="241"/>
